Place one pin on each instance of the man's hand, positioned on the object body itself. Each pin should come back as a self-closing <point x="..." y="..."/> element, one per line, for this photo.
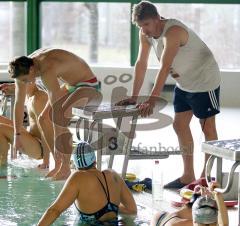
<point x="128" y="101"/>
<point x="7" y="88"/>
<point x="17" y="145"/>
<point x="146" y="108"/>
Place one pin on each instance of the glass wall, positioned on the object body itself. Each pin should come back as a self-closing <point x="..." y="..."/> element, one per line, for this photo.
<point x="101" y="32"/>
<point x="218" y="26"/>
<point x="12" y="30"/>
<point x="98" y="32"/>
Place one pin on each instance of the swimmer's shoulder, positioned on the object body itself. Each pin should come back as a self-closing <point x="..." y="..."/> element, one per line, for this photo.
<point x="82" y="175"/>
<point x="110" y="173"/>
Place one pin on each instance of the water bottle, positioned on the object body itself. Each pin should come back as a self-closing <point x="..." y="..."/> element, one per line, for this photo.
<point x="157" y="183"/>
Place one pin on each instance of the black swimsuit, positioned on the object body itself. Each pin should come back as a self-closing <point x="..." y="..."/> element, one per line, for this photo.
<point x="109" y="207"/>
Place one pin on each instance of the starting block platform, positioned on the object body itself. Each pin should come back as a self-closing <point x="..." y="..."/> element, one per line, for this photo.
<point x="229" y="150"/>
<point x="113" y="140"/>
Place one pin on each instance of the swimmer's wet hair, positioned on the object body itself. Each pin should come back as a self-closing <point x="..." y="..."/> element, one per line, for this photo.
<point x="20" y="66"/>
<point x="144" y="10"/>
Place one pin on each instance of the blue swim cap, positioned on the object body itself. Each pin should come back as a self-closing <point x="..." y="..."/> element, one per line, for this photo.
<point x="83" y="155"/>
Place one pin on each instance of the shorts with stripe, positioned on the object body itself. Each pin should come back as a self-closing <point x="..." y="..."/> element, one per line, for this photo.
<point x="94" y="83"/>
<point x="202" y="104"/>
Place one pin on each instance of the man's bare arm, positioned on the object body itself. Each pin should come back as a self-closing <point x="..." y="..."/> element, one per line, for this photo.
<point x="171" y="42"/>
<point x="141" y="63"/>
<point x="139" y="70"/>
<point x="50" y="81"/>
<point x="20" y="94"/>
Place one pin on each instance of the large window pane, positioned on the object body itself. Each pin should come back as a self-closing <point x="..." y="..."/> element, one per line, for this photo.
<point x="12" y="30"/>
<point x="98" y="32"/>
<point x="218" y="26"/>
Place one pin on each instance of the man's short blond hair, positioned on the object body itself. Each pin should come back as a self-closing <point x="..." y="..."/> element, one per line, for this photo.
<point x="144" y="10"/>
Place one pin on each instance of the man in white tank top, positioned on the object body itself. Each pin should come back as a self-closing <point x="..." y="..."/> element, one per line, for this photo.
<point x="187" y="58"/>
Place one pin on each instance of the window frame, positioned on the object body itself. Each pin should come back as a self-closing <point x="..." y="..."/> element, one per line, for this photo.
<point x="34" y="23"/>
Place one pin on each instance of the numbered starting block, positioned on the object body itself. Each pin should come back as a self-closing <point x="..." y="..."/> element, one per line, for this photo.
<point x="112" y="140"/>
<point x="229" y="150"/>
<point x="105" y="139"/>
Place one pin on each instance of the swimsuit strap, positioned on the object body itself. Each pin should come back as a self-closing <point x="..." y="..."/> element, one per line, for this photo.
<point x="106" y="192"/>
<point x="106" y="186"/>
<point x="169" y="218"/>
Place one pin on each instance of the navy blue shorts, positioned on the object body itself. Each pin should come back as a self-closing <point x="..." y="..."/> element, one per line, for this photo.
<point x="202" y="104"/>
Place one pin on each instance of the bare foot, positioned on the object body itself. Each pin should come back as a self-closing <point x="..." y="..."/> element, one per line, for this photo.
<point x="62" y="175"/>
<point x="52" y="173"/>
<point x="43" y="166"/>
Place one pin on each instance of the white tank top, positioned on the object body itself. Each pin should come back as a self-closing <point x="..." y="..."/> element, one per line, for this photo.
<point x="194" y="63"/>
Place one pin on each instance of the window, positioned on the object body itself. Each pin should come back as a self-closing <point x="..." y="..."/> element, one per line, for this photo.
<point x="217" y="25"/>
<point x="97" y="32"/>
<point x="12" y="30"/>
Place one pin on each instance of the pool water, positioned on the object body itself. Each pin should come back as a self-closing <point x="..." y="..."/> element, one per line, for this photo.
<point x="25" y="195"/>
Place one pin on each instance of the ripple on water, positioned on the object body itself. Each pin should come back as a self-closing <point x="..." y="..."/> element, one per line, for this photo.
<point x="25" y="195"/>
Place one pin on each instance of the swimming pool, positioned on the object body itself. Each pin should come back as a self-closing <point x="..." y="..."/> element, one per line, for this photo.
<point x="25" y="194"/>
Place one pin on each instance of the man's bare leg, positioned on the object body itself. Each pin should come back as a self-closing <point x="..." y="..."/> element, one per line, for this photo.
<point x="182" y="128"/>
<point x="57" y="165"/>
<point x="210" y="133"/>
<point x="59" y="129"/>
<point x="9" y="122"/>
<point x="31" y="146"/>
<point x="63" y="138"/>
<point x="56" y="157"/>
<point x="4" y="146"/>
<point x="46" y="155"/>
<point x="45" y="126"/>
<point x="47" y="131"/>
<point x="63" y="142"/>
<point x="64" y="170"/>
